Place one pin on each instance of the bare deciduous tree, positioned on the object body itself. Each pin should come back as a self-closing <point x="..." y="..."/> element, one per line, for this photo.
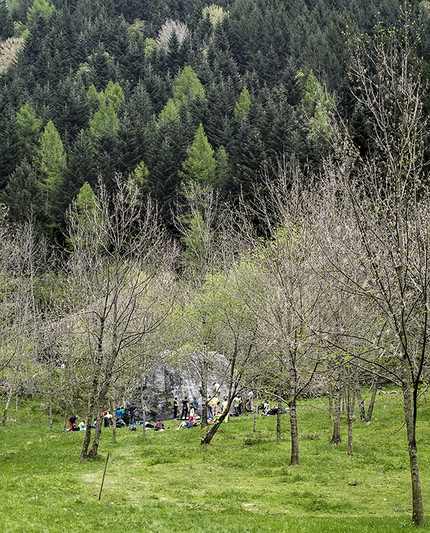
<point x="383" y="201"/>
<point x="118" y="246"/>
<point x="289" y="292"/>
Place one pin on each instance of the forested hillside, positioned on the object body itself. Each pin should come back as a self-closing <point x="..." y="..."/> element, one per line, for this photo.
<point x="170" y="91"/>
<point x="124" y="128"/>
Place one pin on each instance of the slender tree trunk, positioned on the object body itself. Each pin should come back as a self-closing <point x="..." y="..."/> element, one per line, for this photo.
<point x="92" y="401"/>
<point x="294" y="431"/>
<point x="113" y="413"/>
<point x="142" y="406"/>
<point x="97" y="432"/>
<point x="361" y="405"/>
<point x="336" y="416"/>
<point x="350" y="409"/>
<point x="206" y="439"/>
<point x="367" y="417"/>
<point x="107" y="377"/>
<point x="372" y="401"/>
<point x="254" y="428"/>
<point x="12" y="388"/>
<point x="409" y="397"/>
<point x="204" y="422"/>
<point x="278" y="421"/>
<point x="100" y="404"/>
<point x="103" y="395"/>
<point x="51" y="422"/>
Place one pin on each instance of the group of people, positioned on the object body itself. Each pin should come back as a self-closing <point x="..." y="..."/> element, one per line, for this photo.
<point x="74" y="425"/>
<point x="123" y="416"/>
<point x="215" y="405"/>
<point x="127" y="416"/>
<point x="188" y="408"/>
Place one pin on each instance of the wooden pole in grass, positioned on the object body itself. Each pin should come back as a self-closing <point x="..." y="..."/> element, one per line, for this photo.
<point x="104" y="474"/>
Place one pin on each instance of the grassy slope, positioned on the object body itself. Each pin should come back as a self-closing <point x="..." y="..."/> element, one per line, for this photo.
<point x="239" y="483"/>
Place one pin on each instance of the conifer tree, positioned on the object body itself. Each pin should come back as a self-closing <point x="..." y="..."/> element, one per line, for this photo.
<point x="199" y="167"/>
<point x="6" y="22"/>
<point x="243" y="105"/>
<point x="28" y="127"/>
<point x="52" y="158"/>
<point x="53" y="164"/>
<point x="39" y="8"/>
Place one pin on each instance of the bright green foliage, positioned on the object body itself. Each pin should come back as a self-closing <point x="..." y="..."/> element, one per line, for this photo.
<point x="105" y="119"/>
<point x="200" y="165"/>
<point x="215" y="13"/>
<point x="195" y="239"/>
<point x="136" y="30"/>
<point x="169" y="113"/>
<point x="52" y="158"/>
<point x="38" y="8"/>
<point x="187" y="88"/>
<point x="113" y="95"/>
<point x="223" y="170"/>
<point x="86" y="199"/>
<point x="140" y="174"/>
<point x="243" y="105"/>
<point x="29" y="128"/>
<point x="85" y="203"/>
<point x="318" y="103"/>
<point x="92" y="95"/>
<point x="150" y="46"/>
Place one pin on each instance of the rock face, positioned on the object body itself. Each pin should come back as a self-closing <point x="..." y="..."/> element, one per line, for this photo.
<point x="165" y="383"/>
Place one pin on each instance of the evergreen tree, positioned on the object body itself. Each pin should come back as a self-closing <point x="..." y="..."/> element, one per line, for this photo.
<point x="223" y="174"/>
<point x="81" y="166"/>
<point x="243" y="105"/>
<point x="6" y="22"/>
<point x="200" y="165"/>
<point x="28" y="128"/>
<point x="22" y="193"/>
<point x="52" y="160"/>
<point x="39" y="8"/>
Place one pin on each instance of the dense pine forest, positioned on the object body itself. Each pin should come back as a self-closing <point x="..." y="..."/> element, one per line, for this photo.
<point x="91" y="89"/>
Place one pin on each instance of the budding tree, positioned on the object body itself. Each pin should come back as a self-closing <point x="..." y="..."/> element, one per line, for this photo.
<point x="117" y="249"/>
<point x="383" y="199"/>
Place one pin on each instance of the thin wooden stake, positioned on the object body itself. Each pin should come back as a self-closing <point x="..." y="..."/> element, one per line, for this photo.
<point x="104" y="474"/>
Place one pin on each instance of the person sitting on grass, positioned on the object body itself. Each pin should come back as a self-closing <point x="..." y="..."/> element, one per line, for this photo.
<point x="159" y="426"/>
<point x="190" y="423"/>
<point x="72" y="423"/>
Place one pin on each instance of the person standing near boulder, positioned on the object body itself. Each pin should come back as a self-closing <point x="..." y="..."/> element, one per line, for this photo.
<point x="175" y="408"/>
<point x="195" y="404"/>
<point x="132" y="410"/>
<point x="185" y="409"/>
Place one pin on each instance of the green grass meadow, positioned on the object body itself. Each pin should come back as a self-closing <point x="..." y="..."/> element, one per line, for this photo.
<point x="241" y="482"/>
